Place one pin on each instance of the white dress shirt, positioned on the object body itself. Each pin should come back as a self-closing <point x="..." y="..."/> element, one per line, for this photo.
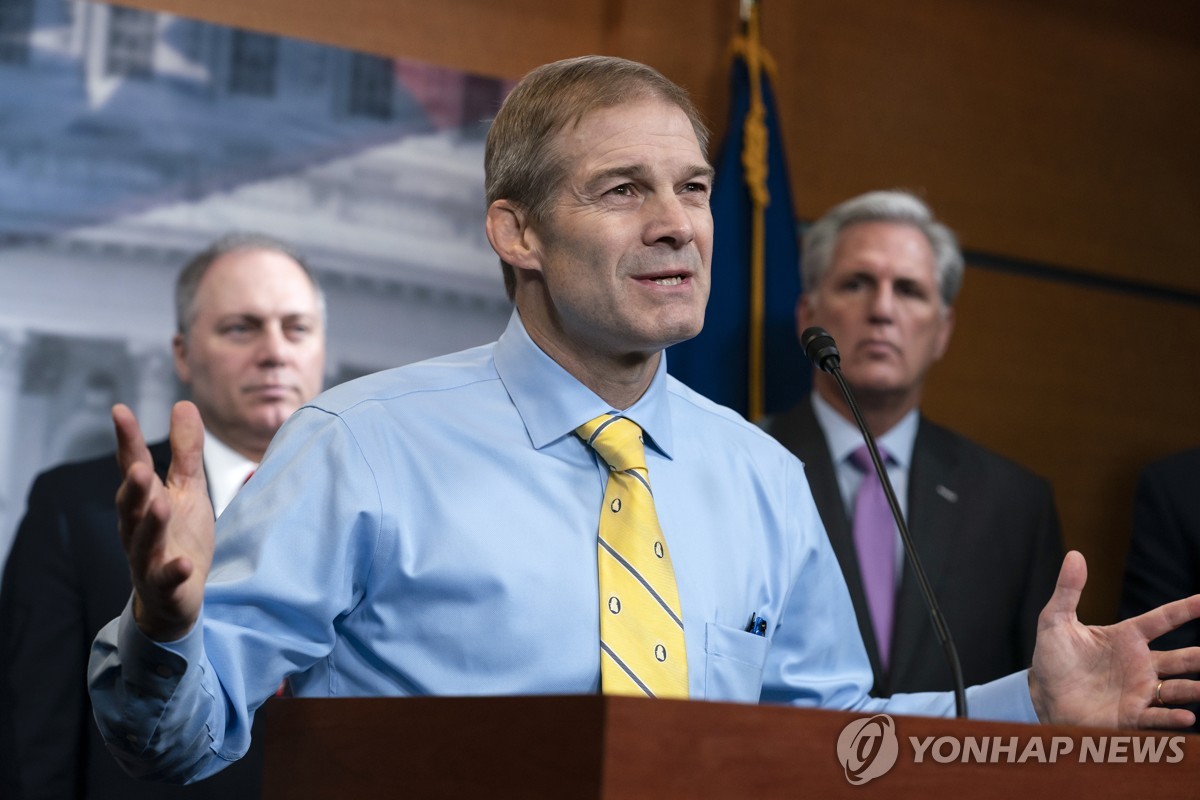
<point x="226" y="471"/>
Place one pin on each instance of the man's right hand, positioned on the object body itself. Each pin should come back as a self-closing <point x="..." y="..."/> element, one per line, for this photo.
<point x="166" y="529"/>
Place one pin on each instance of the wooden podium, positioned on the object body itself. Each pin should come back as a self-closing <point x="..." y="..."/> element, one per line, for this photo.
<point x="605" y="747"/>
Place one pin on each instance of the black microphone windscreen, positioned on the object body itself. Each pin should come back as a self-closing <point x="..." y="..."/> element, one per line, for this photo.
<point x="820" y="348"/>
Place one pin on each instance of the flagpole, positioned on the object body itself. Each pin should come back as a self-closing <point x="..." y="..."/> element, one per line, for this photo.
<point x="747" y="357"/>
<point x="754" y="164"/>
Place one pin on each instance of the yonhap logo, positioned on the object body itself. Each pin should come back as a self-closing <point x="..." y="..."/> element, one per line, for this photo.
<point x="868" y="748"/>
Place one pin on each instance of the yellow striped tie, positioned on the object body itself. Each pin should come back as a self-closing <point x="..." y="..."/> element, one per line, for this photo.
<point x="642" y="649"/>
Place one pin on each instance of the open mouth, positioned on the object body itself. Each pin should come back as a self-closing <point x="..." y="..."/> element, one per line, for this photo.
<point x="668" y="279"/>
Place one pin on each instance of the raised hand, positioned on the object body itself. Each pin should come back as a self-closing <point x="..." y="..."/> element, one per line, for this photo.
<point x="166" y="529"/>
<point x="1107" y="676"/>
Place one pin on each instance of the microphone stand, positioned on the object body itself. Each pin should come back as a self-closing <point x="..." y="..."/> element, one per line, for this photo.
<point x="821" y="350"/>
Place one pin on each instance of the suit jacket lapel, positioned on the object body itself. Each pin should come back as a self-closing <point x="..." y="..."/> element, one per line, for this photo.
<point x="935" y="500"/>
<point x="160" y="452"/>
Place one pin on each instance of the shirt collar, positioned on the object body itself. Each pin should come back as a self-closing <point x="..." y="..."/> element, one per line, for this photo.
<point x="844" y="437"/>
<point x="226" y="471"/>
<point x="553" y="403"/>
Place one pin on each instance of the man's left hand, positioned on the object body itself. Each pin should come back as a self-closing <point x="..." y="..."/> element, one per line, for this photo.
<point x="1107" y="676"/>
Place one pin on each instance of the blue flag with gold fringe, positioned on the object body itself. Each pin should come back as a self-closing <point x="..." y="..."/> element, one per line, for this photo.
<point x="747" y="356"/>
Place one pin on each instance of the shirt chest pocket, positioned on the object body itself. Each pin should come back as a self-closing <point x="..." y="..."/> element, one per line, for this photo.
<point x="733" y="663"/>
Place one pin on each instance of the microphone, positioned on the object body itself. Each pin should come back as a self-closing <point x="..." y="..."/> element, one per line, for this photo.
<point x="821" y="350"/>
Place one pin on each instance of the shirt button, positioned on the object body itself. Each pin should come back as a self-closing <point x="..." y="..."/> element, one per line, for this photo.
<point x="163" y="671"/>
<point x="131" y="738"/>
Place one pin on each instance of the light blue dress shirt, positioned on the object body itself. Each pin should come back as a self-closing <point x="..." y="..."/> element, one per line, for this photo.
<point x="431" y="530"/>
<point x="844" y="437"/>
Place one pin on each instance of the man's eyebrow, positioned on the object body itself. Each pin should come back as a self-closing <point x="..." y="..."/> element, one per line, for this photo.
<point x="639" y="172"/>
<point x="633" y="171"/>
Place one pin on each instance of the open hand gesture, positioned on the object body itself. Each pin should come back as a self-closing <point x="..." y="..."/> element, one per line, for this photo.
<point x="1107" y="676"/>
<point x="166" y="528"/>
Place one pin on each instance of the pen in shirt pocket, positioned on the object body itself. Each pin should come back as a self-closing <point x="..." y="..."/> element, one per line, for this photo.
<point x="757" y="626"/>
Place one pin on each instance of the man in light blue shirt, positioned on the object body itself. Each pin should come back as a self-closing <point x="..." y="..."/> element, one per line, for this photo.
<point x="457" y="510"/>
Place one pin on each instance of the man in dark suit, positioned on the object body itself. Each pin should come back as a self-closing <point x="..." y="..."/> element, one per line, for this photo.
<point x="250" y="347"/>
<point x="881" y="275"/>
<point x="1164" y="552"/>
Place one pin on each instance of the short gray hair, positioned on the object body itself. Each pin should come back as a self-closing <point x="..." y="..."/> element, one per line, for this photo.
<point x="898" y="206"/>
<point x="188" y="282"/>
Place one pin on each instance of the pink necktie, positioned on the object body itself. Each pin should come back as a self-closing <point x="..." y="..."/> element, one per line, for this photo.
<point x="875" y="543"/>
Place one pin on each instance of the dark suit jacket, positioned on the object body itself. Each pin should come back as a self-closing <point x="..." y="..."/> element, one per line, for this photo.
<point x="987" y="534"/>
<point x="1164" y="552"/>
<point x="66" y="578"/>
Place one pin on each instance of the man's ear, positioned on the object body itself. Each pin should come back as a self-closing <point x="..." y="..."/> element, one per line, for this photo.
<point x="803" y="313"/>
<point x="179" y="350"/>
<point x="943" y="337"/>
<point x="512" y="236"/>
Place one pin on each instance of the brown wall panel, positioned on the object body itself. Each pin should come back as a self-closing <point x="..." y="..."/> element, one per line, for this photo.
<point x="1084" y="386"/>
<point x="1040" y="130"/>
